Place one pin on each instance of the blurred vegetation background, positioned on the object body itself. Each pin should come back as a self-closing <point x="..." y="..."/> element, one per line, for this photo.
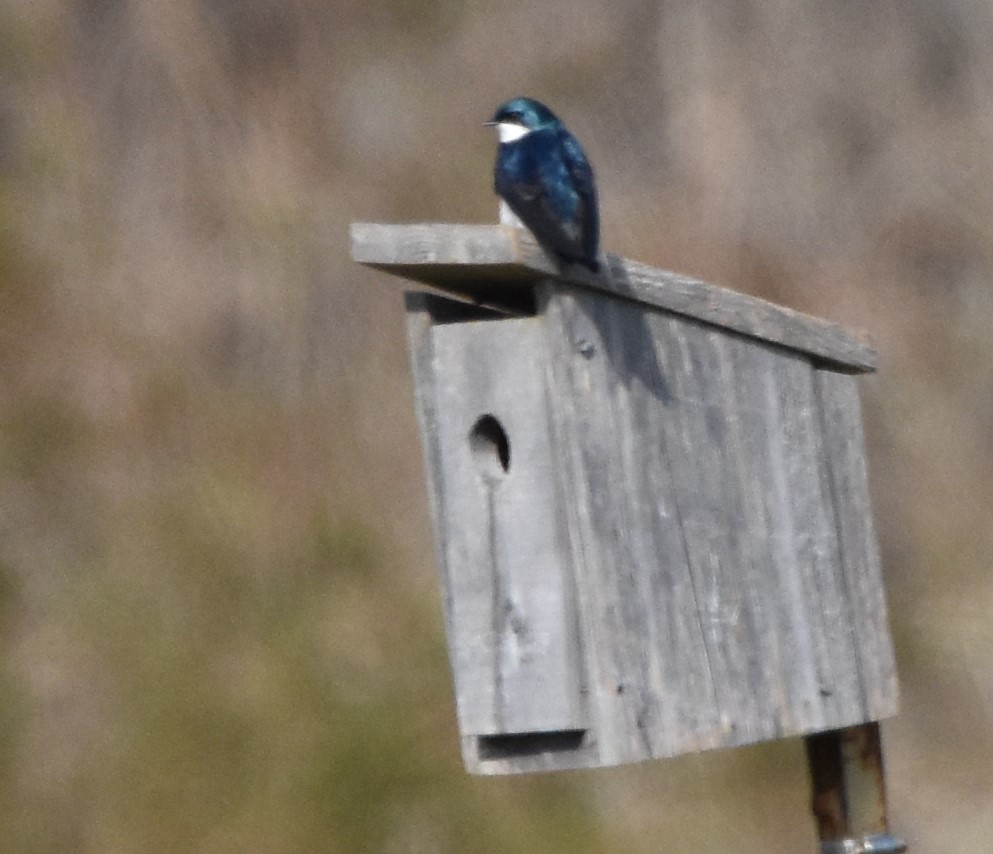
<point x="219" y="621"/>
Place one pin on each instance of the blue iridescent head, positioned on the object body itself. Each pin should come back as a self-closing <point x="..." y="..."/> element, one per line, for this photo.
<point x="527" y="112"/>
<point x="519" y="116"/>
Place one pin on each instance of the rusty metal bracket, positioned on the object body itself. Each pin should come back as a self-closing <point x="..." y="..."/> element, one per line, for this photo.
<point x="849" y="791"/>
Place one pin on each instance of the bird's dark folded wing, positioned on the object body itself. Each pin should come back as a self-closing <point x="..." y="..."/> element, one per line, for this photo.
<point x="577" y="164"/>
<point x="561" y="232"/>
<point x="559" y="209"/>
<point x="582" y="179"/>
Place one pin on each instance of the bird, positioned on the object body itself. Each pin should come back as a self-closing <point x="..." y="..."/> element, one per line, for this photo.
<point x="543" y="175"/>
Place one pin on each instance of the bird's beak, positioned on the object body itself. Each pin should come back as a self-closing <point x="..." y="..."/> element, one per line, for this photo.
<point x="490" y="124"/>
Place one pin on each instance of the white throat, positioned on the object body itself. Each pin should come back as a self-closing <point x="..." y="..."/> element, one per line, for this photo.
<point x="511" y="131"/>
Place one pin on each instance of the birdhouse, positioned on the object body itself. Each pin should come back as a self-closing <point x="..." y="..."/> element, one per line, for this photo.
<point x="650" y="505"/>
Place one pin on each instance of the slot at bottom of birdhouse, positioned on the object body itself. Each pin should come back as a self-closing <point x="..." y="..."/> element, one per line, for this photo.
<point x="529" y="743"/>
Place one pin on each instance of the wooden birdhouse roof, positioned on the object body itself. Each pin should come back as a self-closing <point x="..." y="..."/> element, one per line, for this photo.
<point x="499" y="266"/>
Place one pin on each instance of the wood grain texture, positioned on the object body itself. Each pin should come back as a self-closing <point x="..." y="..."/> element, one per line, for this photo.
<point x="651" y="683"/>
<point x="711" y="583"/>
<point x="511" y="616"/>
<point x="844" y="454"/>
<point x="497" y="265"/>
<point x="684" y="520"/>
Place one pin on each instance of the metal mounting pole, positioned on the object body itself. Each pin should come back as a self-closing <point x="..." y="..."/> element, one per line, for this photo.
<point x="849" y="791"/>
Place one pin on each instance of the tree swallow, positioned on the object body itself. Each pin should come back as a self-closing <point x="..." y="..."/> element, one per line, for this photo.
<point x="543" y="176"/>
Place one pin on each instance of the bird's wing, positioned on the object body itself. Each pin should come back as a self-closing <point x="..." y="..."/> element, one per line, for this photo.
<point x="577" y="164"/>
<point x="556" y="196"/>
<point x="582" y="179"/>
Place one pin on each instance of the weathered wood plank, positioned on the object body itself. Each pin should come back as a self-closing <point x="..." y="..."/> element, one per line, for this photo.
<point x="419" y="324"/>
<point x="717" y="525"/>
<point x="795" y="575"/>
<point x="709" y="572"/>
<point x="844" y="454"/>
<point x="497" y="264"/>
<point x="512" y="617"/>
<point x="651" y="682"/>
<point x="462" y="260"/>
<point x="753" y="517"/>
